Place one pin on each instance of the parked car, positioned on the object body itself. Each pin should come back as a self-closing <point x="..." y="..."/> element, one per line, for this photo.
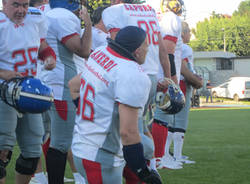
<point x="235" y="88"/>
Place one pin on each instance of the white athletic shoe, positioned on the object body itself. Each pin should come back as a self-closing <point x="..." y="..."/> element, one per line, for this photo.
<point x="170" y="163"/>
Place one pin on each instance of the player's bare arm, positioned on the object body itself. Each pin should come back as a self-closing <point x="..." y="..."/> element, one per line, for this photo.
<point x="170" y="49"/>
<point x="7" y="74"/>
<point x="128" y="124"/>
<point x="164" y="58"/>
<point x="82" y="45"/>
<point x="74" y="86"/>
<point x="190" y="77"/>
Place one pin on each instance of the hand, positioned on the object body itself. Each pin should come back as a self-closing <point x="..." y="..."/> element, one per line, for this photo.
<point x="149" y="176"/>
<point x="49" y="63"/>
<point x="197" y="82"/>
<point x="8" y="74"/>
<point x="83" y="14"/>
<point x="162" y="84"/>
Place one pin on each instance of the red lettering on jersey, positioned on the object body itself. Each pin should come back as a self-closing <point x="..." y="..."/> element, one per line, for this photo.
<point x="131" y="8"/>
<point x="111" y="67"/>
<point x="135" y="7"/>
<point x="110" y="63"/>
<point x="99" y="55"/>
<point x="104" y="61"/>
<point x="149" y="8"/>
<point x="99" y="60"/>
<point x="145" y="8"/>
<point x="126" y="6"/>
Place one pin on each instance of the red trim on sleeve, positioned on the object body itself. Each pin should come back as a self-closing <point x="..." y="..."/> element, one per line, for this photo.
<point x="93" y="171"/>
<point x="46" y="53"/>
<point x="114" y="30"/>
<point x="111" y="51"/>
<point x="183" y="87"/>
<point x="170" y="38"/>
<point x="66" y="38"/>
<point x="186" y="59"/>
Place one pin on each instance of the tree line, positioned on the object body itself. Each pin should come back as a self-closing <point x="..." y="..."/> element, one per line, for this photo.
<point x="224" y="32"/>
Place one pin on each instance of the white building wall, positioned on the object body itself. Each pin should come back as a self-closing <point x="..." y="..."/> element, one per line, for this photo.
<point x="242" y="67"/>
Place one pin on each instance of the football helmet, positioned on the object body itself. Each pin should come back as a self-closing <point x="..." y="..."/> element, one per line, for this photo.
<point x="175" y="6"/>
<point x="172" y="100"/>
<point x="71" y="5"/>
<point x="26" y="94"/>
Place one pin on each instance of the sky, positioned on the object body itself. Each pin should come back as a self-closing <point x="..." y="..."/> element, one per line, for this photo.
<point x="197" y="10"/>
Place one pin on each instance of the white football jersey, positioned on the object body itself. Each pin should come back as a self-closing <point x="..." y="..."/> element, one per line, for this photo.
<point x="63" y="24"/>
<point x="99" y="38"/>
<point x="119" y="16"/>
<point x="19" y="43"/>
<point x="108" y="80"/>
<point x="171" y="30"/>
<point x="187" y="55"/>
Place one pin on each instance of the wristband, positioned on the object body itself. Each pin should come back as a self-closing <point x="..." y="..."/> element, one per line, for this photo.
<point x="134" y="156"/>
<point x="46" y="53"/>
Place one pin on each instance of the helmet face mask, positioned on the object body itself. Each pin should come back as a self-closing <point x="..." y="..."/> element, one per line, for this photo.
<point x="72" y="5"/>
<point x="26" y="95"/>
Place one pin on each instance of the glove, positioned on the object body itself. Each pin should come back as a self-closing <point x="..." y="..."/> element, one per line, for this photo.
<point x="149" y="176"/>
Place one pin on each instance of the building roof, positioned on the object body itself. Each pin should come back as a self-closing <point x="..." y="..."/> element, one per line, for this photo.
<point x="213" y="54"/>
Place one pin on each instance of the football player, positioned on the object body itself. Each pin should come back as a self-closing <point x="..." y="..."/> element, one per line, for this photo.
<point x="187" y="83"/>
<point x="22" y="41"/>
<point x="64" y="36"/>
<point x="113" y="91"/>
<point x="99" y="35"/>
<point x="124" y="13"/>
<point x="170" y="23"/>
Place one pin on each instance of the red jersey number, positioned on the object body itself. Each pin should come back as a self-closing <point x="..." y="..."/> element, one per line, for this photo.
<point x="150" y="28"/>
<point x="22" y="54"/>
<point x="86" y="102"/>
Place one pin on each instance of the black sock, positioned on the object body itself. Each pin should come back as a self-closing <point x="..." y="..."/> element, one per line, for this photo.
<point x="56" y="162"/>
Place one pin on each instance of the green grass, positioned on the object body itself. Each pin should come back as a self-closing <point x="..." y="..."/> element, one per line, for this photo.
<point x="218" y="140"/>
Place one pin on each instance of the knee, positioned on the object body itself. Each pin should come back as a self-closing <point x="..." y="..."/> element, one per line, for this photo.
<point x="26" y="166"/>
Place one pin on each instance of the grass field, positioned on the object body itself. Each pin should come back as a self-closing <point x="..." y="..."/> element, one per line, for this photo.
<point x="217" y="139"/>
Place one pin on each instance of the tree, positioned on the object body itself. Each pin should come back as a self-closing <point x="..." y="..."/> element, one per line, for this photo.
<point x="243" y="9"/>
<point x="210" y="33"/>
